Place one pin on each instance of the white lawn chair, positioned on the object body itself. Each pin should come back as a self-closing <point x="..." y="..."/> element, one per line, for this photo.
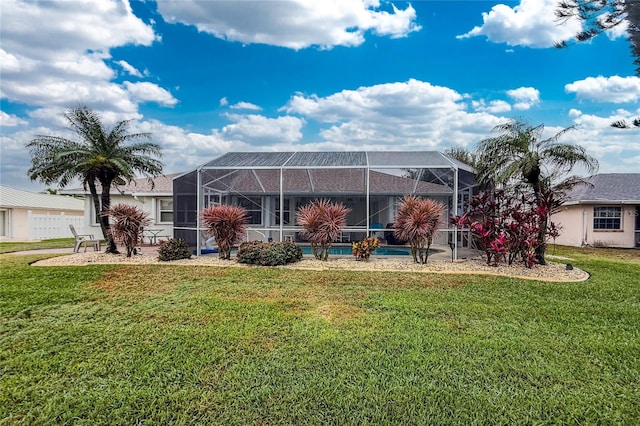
<point x="85" y="239"/>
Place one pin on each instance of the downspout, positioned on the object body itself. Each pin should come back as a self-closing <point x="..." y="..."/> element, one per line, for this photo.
<point x="584" y="228"/>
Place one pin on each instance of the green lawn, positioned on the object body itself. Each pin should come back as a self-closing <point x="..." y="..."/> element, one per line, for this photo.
<point x="8" y="247"/>
<point x="161" y="344"/>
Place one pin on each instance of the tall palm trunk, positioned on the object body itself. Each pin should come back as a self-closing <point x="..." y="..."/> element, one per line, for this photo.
<point x="96" y="204"/>
<point x="104" y="217"/>
<point x="542" y="219"/>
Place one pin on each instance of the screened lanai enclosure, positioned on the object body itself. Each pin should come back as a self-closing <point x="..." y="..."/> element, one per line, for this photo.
<point x="272" y="186"/>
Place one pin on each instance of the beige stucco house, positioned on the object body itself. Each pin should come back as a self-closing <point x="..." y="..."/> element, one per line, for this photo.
<point x="26" y="215"/>
<point x="156" y="200"/>
<point x="605" y="214"/>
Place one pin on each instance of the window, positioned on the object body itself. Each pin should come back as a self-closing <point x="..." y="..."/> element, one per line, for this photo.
<point x="253" y="206"/>
<point x="165" y="210"/>
<point x="605" y="218"/>
<point x="287" y="211"/>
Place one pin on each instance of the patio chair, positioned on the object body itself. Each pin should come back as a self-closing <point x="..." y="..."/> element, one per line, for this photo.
<point x="85" y="239"/>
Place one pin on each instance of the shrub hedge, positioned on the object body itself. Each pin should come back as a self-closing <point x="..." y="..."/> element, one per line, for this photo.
<point x="269" y="254"/>
<point x="173" y="249"/>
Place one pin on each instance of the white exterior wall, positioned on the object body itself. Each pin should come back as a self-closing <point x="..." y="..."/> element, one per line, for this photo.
<point x="145" y="203"/>
<point x="577" y="227"/>
<point x="19" y="228"/>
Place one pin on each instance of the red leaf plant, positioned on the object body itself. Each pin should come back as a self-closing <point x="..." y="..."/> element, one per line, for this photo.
<point x="322" y="222"/>
<point x="128" y="223"/>
<point x="227" y="224"/>
<point x="417" y="221"/>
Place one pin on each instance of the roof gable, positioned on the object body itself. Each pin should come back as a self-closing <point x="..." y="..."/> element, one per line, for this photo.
<point x="614" y="187"/>
<point x="19" y="198"/>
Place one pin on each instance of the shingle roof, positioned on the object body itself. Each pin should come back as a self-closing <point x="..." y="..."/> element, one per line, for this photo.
<point x="614" y="187"/>
<point x="19" y="198"/>
<point x="163" y="185"/>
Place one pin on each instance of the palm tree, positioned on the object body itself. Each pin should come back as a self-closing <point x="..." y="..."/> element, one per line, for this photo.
<point x="99" y="156"/>
<point x="519" y="152"/>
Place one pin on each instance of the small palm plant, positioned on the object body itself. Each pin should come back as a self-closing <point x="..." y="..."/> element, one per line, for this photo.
<point x="128" y="223"/>
<point x="417" y="221"/>
<point x="322" y="222"/>
<point x="227" y="224"/>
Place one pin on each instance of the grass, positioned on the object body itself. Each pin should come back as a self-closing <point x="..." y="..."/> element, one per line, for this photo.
<point x="160" y="344"/>
<point x="10" y="247"/>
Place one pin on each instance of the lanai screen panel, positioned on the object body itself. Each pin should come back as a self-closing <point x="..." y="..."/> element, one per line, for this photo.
<point x="327" y="160"/>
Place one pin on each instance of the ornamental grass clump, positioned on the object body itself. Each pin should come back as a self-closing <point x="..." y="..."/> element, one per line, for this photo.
<point x="128" y="224"/>
<point x="322" y="222"/>
<point x="227" y="224"/>
<point x="417" y="221"/>
<point x="362" y="250"/>
<point x="173" y="249"/>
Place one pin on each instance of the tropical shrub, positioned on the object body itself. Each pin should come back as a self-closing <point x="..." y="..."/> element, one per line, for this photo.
<point x="322" y="222"/>
<point x="506" y="226"/>
<point x="227" y="224"/>
<point x="362" y="250"/>
<point x="417" y="221"/>
<point x="128" y="224"/>
<point x="269" y="254"/>
<point x="173" y="249"/>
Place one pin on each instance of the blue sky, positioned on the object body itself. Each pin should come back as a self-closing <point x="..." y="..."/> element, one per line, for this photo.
<point x="206" y="77"/>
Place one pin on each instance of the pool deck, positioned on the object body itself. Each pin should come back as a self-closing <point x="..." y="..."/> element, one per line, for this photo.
<point x="442" y="252"/>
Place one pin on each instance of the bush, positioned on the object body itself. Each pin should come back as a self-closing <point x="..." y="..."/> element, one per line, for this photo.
<point x="362" y="249"/>
<point x="128" y="223"/>
<point x="269" y="254"/>
<point x="227" y="224"/>
<point x="173" y="249"/>
<point x="322" y="222"/>
<point x="417" y="220"/>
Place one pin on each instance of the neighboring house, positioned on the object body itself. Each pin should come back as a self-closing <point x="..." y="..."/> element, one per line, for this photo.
<point x="28" y="215"/>
<point x="271" y="186"/>
<point x="604" y="214"/>
<point x="157" y="201"/>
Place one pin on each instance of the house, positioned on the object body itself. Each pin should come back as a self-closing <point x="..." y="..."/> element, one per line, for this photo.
<point x="271" y="186"/>
<point x="156" y="200"/>
<point x="606" y="213"/>
<point x="26" y="215"/>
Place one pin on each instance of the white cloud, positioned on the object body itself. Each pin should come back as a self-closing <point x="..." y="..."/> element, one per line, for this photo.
<point x="10" y="120"/>
<point x="261" y="130"/>
<point x="524" y="97"/>
<point x="246" y="105"/>
<point x="613" y="89"/>
<point x="149" y="92"/>
<point x="531" y="23"/>
<point x="492" y="107"/>
<point x="130" y="69"/>
<point x="403" y="115"/>
<point x="54" y="53"/>
<point x="224" y="101"/>
<point x="295" y="24"/>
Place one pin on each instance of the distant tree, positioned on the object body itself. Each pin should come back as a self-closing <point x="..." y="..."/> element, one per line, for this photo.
<point x="519" y="153"/>
<point x="462" y="155"/>
<point x="100" y="156"/>
<point x="598" y="16"/>
<point x="622" y="124"/>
